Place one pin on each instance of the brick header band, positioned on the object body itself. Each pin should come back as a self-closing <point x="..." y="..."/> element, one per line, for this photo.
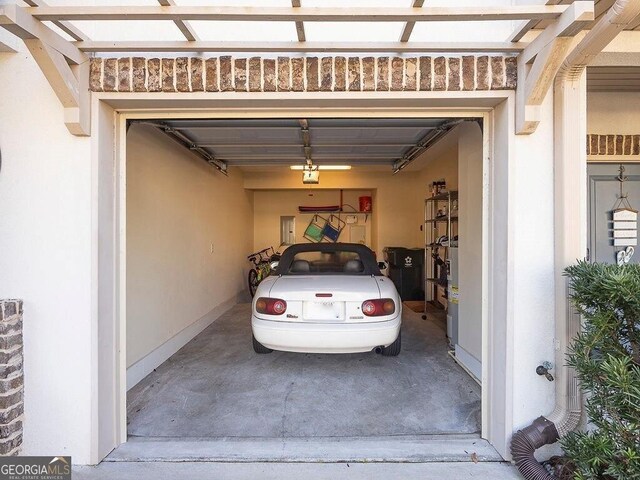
<point x="303" y="74"/>
<point x="613" y="144"/>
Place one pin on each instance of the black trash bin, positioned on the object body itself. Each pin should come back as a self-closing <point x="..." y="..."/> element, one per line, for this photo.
<point x="406" y="267"/>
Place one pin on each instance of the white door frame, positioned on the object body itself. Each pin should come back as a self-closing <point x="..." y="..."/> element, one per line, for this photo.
<point x="111" y="111"/>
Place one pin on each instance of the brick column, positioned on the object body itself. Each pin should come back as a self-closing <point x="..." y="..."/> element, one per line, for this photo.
<point x="11" y="377"/>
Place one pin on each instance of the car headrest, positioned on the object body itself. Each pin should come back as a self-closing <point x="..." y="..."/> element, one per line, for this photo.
<point x="353" y="266"/>
<point x="300" y="266"/>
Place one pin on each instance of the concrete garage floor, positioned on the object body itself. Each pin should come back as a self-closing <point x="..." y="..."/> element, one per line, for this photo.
<point x="216" y="386"/>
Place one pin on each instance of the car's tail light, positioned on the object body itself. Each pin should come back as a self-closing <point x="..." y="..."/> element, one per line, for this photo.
<point x="271" y="306"/>
<point x="378" y="307"/>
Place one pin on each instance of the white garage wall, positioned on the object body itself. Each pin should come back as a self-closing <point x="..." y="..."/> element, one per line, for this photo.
<point x="397" y="205"/>
<point x="270" y="205"/>
<point x="46" y="257"/>
<point x="442" y="163"/>
<point x="177" y="208"/>
<point x="458" y="160"/>
<point x="469" y="347"/>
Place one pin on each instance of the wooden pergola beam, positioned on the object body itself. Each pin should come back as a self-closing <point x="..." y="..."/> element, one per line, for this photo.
<point x="300" y="47"/>
<point x="17" y="21"/>
<point x="571" y="22"/>
<point x="299" y="14"/>
<point x="54" y="54"/>
<point x="66" y="83"/>
<point x="8" y="42"/>
<point x="526" y="26"/>
<point x="68" y="28"/>
<point x="186" y="29"/>
<point x="302" y="37"/>
<point x="549" y="49"/>
<point x="408" y="27"/>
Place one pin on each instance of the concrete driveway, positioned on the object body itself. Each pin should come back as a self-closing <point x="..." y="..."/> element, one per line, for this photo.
<point x="294" y="471"/>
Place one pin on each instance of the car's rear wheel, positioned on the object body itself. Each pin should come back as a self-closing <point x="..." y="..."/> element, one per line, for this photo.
<point x="393" y="350"/>
<point x="258" y="347"/>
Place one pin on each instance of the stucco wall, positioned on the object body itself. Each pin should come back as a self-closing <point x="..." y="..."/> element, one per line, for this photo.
<point x="613" y="113"/>
<point x="531" y="203"/>
<point x="46" y="257"/>
<point x="46" y="204"/>
<point x="177" y="207"/>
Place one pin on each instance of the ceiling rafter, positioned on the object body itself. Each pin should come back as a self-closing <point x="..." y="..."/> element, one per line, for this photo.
<point x="67" y="27"/>
<point x="302" y="37"/>
<point x="408" y="27"/>
<point x="301" y="14"/>
<point x="186" y="29"/>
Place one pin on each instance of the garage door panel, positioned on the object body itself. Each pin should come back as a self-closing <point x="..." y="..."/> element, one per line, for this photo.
<point x="372" y="136"/>
<point x="243" y="137"/>
<point x="276" y="151"/>
<point x="360" y="150"/>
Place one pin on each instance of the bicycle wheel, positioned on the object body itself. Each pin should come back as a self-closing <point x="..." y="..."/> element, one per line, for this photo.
<point x="253" y="282"/>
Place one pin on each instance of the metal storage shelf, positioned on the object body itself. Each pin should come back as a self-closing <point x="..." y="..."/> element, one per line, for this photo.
<point x="443" y="219"/>
<point x="438" y="245"/>
<point x="346" y="212"/>
<point x="335" y="212"/>
<point x="436" y="226"/>
<point x="453" y="195"/>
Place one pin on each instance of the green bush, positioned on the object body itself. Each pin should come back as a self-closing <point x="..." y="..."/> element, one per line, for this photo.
<point x="606" y="356"/>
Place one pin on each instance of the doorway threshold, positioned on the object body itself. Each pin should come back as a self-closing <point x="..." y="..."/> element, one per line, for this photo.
<point x="378" y="449"/>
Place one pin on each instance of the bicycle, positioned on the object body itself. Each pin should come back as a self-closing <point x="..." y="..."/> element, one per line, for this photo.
<point x="264" y="262"/>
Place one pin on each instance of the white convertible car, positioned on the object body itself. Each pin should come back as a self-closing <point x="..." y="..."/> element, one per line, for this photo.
<point x="327" y="298"/>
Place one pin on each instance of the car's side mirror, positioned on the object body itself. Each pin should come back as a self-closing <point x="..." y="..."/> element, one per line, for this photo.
<point x="382" y="265"/>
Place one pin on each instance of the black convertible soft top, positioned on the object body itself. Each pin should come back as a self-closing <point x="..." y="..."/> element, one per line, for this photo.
<point x="367" y="257"/>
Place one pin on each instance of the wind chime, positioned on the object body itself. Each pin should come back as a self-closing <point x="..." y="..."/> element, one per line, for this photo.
<point x="625" y="224"/>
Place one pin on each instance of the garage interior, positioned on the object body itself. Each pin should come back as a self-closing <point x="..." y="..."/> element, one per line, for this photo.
<point x="202" y="194"/>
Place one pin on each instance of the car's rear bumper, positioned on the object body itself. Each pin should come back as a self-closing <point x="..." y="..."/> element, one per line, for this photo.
<point x="325" y="338"/>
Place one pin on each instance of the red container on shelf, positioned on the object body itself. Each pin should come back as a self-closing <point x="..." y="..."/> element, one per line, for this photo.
<point x="365" y="203"/>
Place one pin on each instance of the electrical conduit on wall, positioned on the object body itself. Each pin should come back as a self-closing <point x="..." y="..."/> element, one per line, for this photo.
<point x="570" y="228"/>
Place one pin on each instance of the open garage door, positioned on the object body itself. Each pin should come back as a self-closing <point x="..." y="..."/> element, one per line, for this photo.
<point x="204" y="194"/>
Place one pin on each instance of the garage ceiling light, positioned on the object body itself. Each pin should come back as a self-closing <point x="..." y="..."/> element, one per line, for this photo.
<point x="322" y="167"/>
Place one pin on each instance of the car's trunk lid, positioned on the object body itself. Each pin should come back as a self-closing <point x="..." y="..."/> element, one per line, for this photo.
<point x="325" y="299"/>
